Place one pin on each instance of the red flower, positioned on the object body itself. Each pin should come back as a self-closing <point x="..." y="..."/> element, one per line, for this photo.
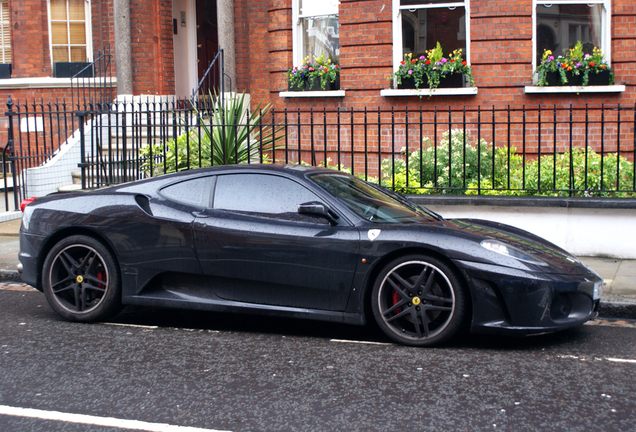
<point x="464" y="63"/>
<point x="402" y="62"/>
<point x="428" y="62"/>
<point x="452" y="61"/>
<point x="592" y="64"/>
<point x="413" y="61"/>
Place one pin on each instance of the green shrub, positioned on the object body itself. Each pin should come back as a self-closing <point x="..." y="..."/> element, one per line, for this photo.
<point x="459" y="166"/>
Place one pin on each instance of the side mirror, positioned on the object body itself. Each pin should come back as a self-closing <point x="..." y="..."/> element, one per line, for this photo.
<point x="319" y="210"/>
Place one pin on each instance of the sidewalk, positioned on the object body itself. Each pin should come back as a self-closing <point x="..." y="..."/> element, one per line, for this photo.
<point x="618" y="300"/>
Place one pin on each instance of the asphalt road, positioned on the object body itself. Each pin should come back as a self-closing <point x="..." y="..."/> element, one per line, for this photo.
<point x="243" y="373"/>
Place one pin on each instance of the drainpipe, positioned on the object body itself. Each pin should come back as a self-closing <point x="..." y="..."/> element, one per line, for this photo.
<point x="225" y="14"/>
<point x="123" y="50"/>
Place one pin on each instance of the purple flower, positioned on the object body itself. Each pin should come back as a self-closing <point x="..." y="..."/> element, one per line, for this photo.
<point x="578" y="65"/>
<point x="422" y="57"/>
<point x="444" y="60"/>
<point x="551" y="58"/>
<point x="410" y="71"/>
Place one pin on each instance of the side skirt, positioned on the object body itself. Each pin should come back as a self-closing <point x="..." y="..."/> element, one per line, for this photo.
<point x="219" y="305"/>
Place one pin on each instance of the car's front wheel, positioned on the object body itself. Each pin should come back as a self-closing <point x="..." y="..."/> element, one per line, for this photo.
<point x="418" y="300"/>
<point x="81" y="280"/>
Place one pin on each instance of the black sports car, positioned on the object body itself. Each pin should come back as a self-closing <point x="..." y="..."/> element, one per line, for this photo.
<point x="297" y="241"/>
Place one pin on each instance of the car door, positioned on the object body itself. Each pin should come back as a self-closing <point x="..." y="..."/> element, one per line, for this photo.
<point x="254" y="247"/>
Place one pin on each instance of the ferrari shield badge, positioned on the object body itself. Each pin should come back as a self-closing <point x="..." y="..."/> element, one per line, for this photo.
<point x="373" y="234"/>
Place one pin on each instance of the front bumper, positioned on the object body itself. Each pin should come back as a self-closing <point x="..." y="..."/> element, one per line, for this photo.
<point x="512" y="301"/>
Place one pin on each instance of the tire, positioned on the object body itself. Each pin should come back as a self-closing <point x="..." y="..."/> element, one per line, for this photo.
<point x="419" y="300"/>
<point x="81" y="280"/>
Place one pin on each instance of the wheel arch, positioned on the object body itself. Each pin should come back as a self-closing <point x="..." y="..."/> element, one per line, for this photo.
<point x="54" y="238"/>
<point x="382" y="262"/>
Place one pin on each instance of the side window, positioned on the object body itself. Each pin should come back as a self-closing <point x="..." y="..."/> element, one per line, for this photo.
<point x="316" y="29"/>
<point x="561" y="25"/>
<point x="264" y="196"/>
<point x="70" y="36"/>
<point x="195" y="192"/>
<point x="420" y="24"/>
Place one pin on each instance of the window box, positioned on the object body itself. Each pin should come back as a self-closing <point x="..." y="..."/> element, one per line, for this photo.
<point x="5" y="70"/>
<point x="455" y="80"/>
<point x="599" y="79"/>
<point x="315" y="86"/>
<point x="68" y="70"/>
<point x="594" y="79"/>
<point x="328" y="86"/>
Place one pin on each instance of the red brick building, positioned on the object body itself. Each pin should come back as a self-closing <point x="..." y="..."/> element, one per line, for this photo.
<point x="170" y="41"/>
<point x="500" y="39"/>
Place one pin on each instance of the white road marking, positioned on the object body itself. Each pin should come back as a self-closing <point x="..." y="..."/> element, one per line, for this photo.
<point x="132" y="325"/>
<point x="583" y="358"/>
<point x="617" y="360"/>
<point x="359" y="342"/>
<point x="97" y="421"/>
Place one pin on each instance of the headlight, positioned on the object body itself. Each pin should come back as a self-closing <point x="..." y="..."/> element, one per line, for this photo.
<point x="598" y="290"/>
<point x="511" y="251"/>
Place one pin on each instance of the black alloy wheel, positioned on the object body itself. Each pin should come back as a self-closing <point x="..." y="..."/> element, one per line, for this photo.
<point x="81" y="280"/>
<point x="418" y="300"/>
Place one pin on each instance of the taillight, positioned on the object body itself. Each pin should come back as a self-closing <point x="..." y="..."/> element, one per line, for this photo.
<point x="26" y="202"/>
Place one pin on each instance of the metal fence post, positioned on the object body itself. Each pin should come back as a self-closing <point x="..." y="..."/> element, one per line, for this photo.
<point x="8" y="150"/>
<point x="82" y="164"/>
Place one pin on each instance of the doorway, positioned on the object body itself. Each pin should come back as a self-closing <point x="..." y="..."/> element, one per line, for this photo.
<point x="207" y="34"/>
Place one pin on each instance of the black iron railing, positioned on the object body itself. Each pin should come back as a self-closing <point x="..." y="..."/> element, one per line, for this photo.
<point x="94" y="84"/>
<point x="213" y="79"/>
<point x="567" y="151"/>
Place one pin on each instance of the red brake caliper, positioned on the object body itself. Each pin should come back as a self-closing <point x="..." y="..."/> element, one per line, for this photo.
<point x="101" y="277"/>
<point x="396" y="300"/>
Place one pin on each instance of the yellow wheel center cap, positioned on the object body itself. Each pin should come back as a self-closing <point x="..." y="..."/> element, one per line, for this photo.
<point x="79" y="279"/>
<point x="416" y="301"/>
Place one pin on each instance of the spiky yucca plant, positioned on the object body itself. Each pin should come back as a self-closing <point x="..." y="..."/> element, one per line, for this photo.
<point x="225" y="133"/>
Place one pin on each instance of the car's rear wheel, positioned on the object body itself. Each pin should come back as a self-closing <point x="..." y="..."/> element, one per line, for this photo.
<point x="81" y="280"/>
<point x="418" y="300"/>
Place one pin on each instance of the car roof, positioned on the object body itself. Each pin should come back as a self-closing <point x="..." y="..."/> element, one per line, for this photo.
<point x="298" y="171"/>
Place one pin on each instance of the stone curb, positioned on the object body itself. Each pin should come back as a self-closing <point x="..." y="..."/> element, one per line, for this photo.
<point x="615" y="309"/>
<point x="607" y="309"/>
<point x="11" y="276"/>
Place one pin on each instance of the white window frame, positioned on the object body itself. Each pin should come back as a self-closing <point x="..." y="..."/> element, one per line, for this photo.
<point x="297" y="32"/>
<point x="2" y="48"/>
<point x="606" y="23"/>
<point x="88" y="29"/>
<point x="398" y="55"/>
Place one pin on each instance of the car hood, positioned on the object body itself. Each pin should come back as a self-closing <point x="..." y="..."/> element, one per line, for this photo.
<point x="556" y="259"/>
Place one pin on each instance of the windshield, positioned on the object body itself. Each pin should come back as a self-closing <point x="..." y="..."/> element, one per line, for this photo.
<point x="369" y="201"/>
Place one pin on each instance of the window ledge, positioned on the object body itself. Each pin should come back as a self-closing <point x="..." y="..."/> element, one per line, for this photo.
<point x="462" y="91"/>
<point x="45" y="82"/>
<point x="318" y="94"/>
<point x="575" y="89"/>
